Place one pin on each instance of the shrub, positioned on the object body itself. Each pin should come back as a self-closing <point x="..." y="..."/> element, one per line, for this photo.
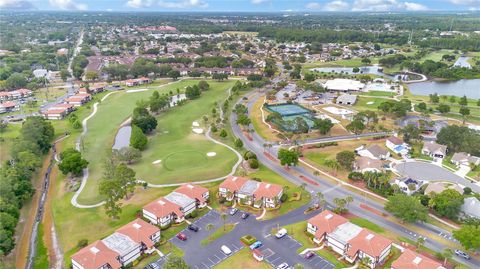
<point x="248" y="239"/>
<point x="355" y="176"/>
<point x="257" y="179"/>
<point x="222" y="200"/>
<point x="249" y="155"/>
<point x="192" y="215"/>
<point x="253" y="163"/>
<point x="82" y="243"/>
<point x="166" y="226"/>
<point x="284" y="198"/>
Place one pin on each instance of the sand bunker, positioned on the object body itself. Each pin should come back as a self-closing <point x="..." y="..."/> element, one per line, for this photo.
<point x="211" y="154"/>
<point x="137" y="90"/>
<point x="370" y="103"/>
<point x="157" y="162"/>
<point x="197" y="130"/>
<point x="195" y="124"/>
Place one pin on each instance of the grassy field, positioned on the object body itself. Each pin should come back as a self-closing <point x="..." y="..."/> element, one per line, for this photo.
<point x="7" y="138"/>
<point x="436" y="55"/>
<point x="378" y="93"/>
<point x="368" y="103"/>
<point x="41" y="258"/>
<point x="183" y="154"/>
<point x="242" y="259"/>
<point x="367" y="224"/>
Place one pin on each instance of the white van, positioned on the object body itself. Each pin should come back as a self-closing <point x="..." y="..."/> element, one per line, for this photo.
<point x="281" y="233"/>
<point x="226" y="250"/>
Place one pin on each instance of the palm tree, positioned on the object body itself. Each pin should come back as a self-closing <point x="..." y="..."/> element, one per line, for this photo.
<point x="224" y="216"/>
<point x="447" y="255"/>
<point x="420" y="242"/>
<point x="316" y="173"/>
<point x="349" y="199"/>
<point x="209" y="227"/>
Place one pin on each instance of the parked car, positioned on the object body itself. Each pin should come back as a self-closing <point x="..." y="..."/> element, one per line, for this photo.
<point x="153" y="266"/>
<point x="182" y="236"/>
<point x="462" y="254"/>
<point x="245" y="215"/>
<point x="256" y="245"/>
<point x="281" y="233"/>
<point x="283" y="266"/>
<point x="233" y="211"/>
<point x="226" y="250"/>
<point x="193" y="227"/>
<point x="308" y="255"/>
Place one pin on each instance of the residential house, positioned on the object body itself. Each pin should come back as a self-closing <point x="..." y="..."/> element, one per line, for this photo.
<point x="16" y="94"/>
<point x="438" y="187"/>
<point x="79" y="99"/>
<point x="162" y="212"/>
<point x="434" y="150"/>
<point x="132" y="82"/>
<point x="349" y="240"/>
<point x="408" y="185"/>
<point x="397" y="145"/>
<point x="200" y="194"/>
<point x="187" y="205"/>
<point x="58" y="111"/>
<point x="120" y="248"/>
<point x="366" y="164"/>
<point x="374" y="152"/>
<point x="413" y="260"/>
<point x="9" y="106"/>
<point x="347" y="99"/>
<point x="471" y="207"/>
<point x="463" y="158"/>
<point x="251" y="192"/>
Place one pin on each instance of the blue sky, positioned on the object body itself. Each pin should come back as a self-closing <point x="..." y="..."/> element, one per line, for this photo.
<point x="244" y="5"/>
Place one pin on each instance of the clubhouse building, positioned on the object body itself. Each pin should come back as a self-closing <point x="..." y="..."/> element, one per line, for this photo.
<point x="119" y="249"/>
<point x="251" y="192"/>
<point x="174" y="207"/>
<point x="349" y="240"/>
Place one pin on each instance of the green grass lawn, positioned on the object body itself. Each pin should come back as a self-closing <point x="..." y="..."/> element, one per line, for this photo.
<point x="436" y="55"/>
<point x="7" y="138"/>
<point x="368" y="103"/>
<point x="367" y="224"/>
<point x="41" y="258"/>
<point x="219" y="232"/>
<point x="378" y="93"/>
<point x="183" y="154"/>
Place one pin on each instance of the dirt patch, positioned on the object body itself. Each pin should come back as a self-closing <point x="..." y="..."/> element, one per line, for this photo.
<point x="373" y="210"/>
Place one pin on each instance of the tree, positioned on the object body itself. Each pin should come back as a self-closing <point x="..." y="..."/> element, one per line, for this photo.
<point x="447" y="203"/>
<point x="138" y="139"/>
<point x="203" y="85"/>
<point x="366" y="61"/>
<point x="288" y="157"/>
<point x="72" y="162"/>
<point x="434" y="98"/>
<point x="158" y="102"/>
<point x="91" y="75"/>
<point x="463" y="101"/>
<point x="452" y="99"/>
<point x="469" y="236"/>
<point x="332" y="164"/>
<point x="422" y="106"/>
<point x="15" y="81"/>
<point x="341" y="205"/>
<point x="323" y="125"/>
<point x="175" y="262"/>
<point x="64" y="75"/>
<point x="238" y="143"/>
<point x="355" y="126"/>
<point x="192" y="92"/>
<point x="174" y="74"/>
<point x="410" y="132"/>
<point x="460" y="139"/>
<point x="142" y="118"/>
<point x="224" y="217"/>
<point x="309" y="77"/>
<point x="243" y="120"/>
<point x="126" y="155"/>
<point x="464" y="111"/>
<point x="113" y="191"/>
<point x="126" y="176"/>
<point x="447" y="255"/>
<point x="407" y="208"/>
<point x="356" y="70"/>
<point x="346" y="158"/>
<point x="38" y="131"/>
<point x="223" y="133"/>
<point x="420" y="242"/>
<point x="443" y="108"/>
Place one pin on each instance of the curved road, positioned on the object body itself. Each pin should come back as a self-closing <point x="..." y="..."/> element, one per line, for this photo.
<point x="332" y="190"/>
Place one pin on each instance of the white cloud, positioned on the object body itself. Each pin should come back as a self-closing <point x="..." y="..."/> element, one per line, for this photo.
<point x="387" y="5"/>
<point x="167" y="4"/>
<point x="258" y="1"/>
<point x="472" y="3"/>
<point x="313" y="5"/>
<point x="67" y="5"/>
<point x="336" y="5"/>
<point x="16" y="4"/>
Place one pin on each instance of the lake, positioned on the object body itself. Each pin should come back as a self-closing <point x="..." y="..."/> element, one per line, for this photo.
<point x="122" y="139"/>
<point x="468" y="87"/>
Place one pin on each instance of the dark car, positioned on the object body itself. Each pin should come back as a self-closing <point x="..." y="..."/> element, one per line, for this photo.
<point x="245" y="215"/>
<point x="194" y="228"/>
<point x="182" y="236"/>
<point x="308" y="255"/>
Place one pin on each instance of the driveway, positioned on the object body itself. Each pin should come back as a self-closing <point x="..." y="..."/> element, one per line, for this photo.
<point x="276" y="251"/>
<point x="430" y="172"/>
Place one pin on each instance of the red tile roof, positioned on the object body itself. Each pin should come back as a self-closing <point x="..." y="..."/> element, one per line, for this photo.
<point x="96" y="255"/>
<point x="368" y="242"/>
<point x="326" y="222"/>
<point x="412" y="260"/>
<point x="139" y="231"/>
<point x="267" y="190"/>
<point x="395" y="140"/>
<point x="233" y="183"/>
<point x="193" y="191"/>
<point x="9" y="104"/>
<point x="162" y="208"/>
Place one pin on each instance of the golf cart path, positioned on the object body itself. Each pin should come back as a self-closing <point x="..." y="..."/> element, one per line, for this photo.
<point x="74" y="200"/>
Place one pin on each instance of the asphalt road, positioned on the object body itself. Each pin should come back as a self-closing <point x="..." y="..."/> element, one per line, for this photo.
<point x="431" y="172"/>
<point x="331" y="190"/>
<point x="275" y="251"/>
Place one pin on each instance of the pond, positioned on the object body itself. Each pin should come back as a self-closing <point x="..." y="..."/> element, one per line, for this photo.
<point x="468" y="87"/>
<point x="122" y="139"/>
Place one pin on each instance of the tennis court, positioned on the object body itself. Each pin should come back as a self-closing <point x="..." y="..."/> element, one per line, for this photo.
<point x="288" y="109"/>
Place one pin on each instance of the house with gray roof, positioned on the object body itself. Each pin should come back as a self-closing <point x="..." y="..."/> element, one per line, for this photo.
<point x="471" y="207"/>
<point x="463" y="158"/>
<point x="347" y="99"/>
<point x="434" y="150"/>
